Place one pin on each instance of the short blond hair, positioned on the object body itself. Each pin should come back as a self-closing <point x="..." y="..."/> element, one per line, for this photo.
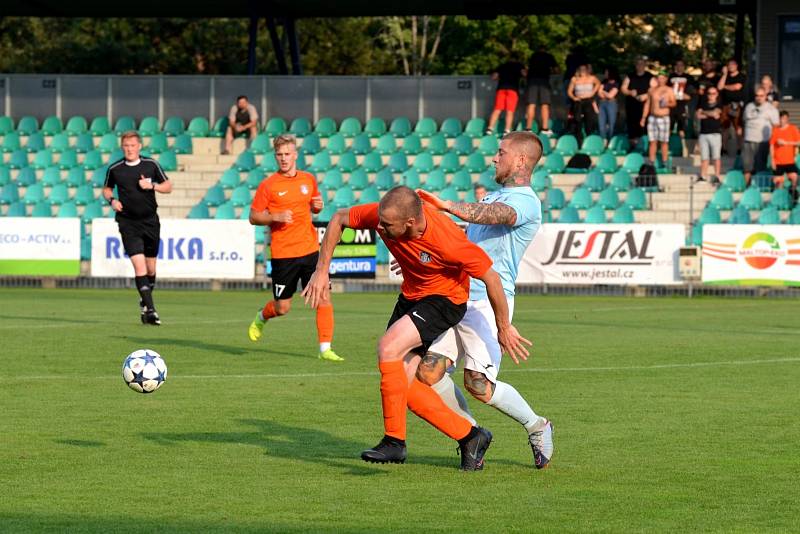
<point x="128" y="135"/>
<point x="284" y="139"/>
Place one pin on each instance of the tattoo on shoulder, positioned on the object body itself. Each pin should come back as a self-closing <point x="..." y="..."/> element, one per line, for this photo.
<point x="491" y="213"/>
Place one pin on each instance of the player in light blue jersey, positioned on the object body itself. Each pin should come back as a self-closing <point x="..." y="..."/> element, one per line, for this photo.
<point x="503" y="224"/>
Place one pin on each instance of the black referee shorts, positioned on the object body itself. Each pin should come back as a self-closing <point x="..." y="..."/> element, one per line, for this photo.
<point x="140" y="236"/>
<point x="432" y="316"/>
<point x="286" y="272"/>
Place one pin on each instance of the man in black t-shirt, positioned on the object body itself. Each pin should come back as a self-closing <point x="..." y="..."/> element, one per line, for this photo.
<point x="683" y="86"/>
<point x="136" y="180"/>
<point x="731" y="87"/>
<point x="508" y="76"/>
<point x="709" y="111"/>
<point x="540" y="66"/>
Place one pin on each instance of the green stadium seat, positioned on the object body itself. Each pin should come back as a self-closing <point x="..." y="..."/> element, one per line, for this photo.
<point x="59" y="142"/>
<point x="168" y="161"/>
<point x="425" y="127"/>
<point x="328" y="211"/>
<point x="108" y="143"/>
<point x="33" y="193"/>
<point x="18" y="159"/>
<point x="566" y="145"/>
<point x="58" y="194"/>
<point x="83" y="143"/>
<point x="595" y="181"/>
<point x="199" y="211"/>
<point x="636" y="199"/>
<point x="11" y="142"/>
<point x="52" y="125"/>
<point x="663" y="168"/>
<point x="226" y="212"/>
<point x="98" y="178"/>
<point x="67" y="209"/>
<point x="17" y="209"/>
<point x="270" y="165"/>
<point x="381" y="253"/>
<point x="241" y="196"/>
<point x="358" y="180"/>
<point x="751" y="199"/>
<point x="487" y="180"/>
<point x="149" y="126"/>
<point x="710" y="215"/>
<point x="739" y="215"/>
<point x="337" y="144"/>
<point x="311" y="144"/>
<point x="9" y="194"/>
<point x="100" y="126"/>
<point x="347" y="162"/>
<point x="386" y="144"/>
<point x="301" y="127"/>
<point x="51" y="176"/>
<point x="372" y="162"/>
<point x="554" y="163"/>
<point x="555" y="199"/>
<point x="76" y="177"/>
<point x="412" y="144"/>
<point x="762" y="180"/>
<point x="581" y="199"/>
<point x="400" y="127"/>
<point x="361" y="144"/>
<point x="183" y="144"/>
<point x="437" y="145"/>
<point x="174" y="126"/>
<point x="422" y="163"/>
<point x="384" y="180"/>
<point x="722" y="199"/>
<point x="253" y="180"/>
<point x="198" y="127"/>
<point x="68" y="159"/>
<point x="219" y="129"/>
<point x="794" y="216"/>
<point x="462" y="180"/>
<point x="276" y="126"/>
<point x="607" y="163"/>
<point x="42" y="159"/>
<point x="215" y="196"/>
<point x="375" y="127"/>
<point x="593" y="145"/>
<point x="261" y="144"/>
<point x="608" y="199"/>
<point x="547" y="147"/>
<point x="462" y="145"/>
<point x="475" y="127"/>
<point x="621" y="181"/>
<point x="734" y="180"/>
<point x="6" y="125"/>
<point x="246" y="161"/>
<point x="93" y="211"/>
<point x="623" y="215"/>
<point x="333" y="180"/>
<point x="411" y="179"/>
<point x="158" y="143"/>
<point x="42" y="209"/>
<point x="569" y="215"/>
<point x="350" y="127"/>
<point x="124" y="124"/>
<point x="92" y="160"/>
<point x="596" y="215"/>
<point x="435" y="181"/>
<point x="369" y="194"/>
<point x="26" y="177"/>
<point x="541" y="181"/>
<point x="27" y="125"/>
<point x="642" y="146"/>
<point x="675" y="145"/>
<point x="470" y="196"/>
<point x="76" y="125"/>
<point x="325" y="127"/>
<point x="399" y="163"/>
<point x="35" y="142"/>
<point x="488" y="145"/>
<point x="321" y="162"/>
<point x="696" y="237"/>
<point x="475" y="162"/>
<point x="229" y="179"/>
<point x="5" y="175"/>
<point x="633" y="162"/>
<point x="781" y="199"/>
<point x="84" y="195"/>
<point x="449" y="193"/>
<point x="245" y="216"/>
<point x="619" y="145"/>
<point x="344" y="197"/>
<point x="451" y="127"/>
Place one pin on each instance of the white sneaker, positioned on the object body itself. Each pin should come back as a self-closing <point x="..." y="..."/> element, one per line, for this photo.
<point x="542" y="445"/>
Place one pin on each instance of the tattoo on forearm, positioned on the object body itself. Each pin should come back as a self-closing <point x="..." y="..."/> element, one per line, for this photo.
<point x="492" y="213"/>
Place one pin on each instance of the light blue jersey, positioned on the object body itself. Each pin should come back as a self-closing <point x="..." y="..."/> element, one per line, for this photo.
<point x="506" y="244"/>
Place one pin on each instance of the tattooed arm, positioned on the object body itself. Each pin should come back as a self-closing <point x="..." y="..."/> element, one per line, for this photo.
<point x="474" y="212"/>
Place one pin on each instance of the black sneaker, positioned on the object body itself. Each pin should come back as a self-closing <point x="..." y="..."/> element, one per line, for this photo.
<point x="389" y="450"/>
<point x="151" y="317"/>
<point x="473" y="447"/>
<point x="143" y="311"/>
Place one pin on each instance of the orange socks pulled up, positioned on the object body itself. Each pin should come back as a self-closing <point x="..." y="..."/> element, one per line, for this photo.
<point x="394" y="392"/>
<point x="325" y="323"/>
<point x="428" y="405"/>
<point x="268" y="311"/>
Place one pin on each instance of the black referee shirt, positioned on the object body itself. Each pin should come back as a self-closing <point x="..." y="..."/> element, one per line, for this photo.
<point x="137" y="203"/>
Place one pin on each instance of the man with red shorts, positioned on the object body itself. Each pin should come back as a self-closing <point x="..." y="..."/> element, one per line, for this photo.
<point x="508" y="76"/>
<point x="437" y="261"/>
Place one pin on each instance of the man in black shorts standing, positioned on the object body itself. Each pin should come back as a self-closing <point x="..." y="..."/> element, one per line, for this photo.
<point x="137" y="179"/>
<point x="541" y="65"/>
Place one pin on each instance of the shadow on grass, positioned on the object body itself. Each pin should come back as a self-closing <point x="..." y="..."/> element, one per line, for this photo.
<point x="80" y="442"/>
<point x="216" y="348"/>
<point x="48" y="318"/>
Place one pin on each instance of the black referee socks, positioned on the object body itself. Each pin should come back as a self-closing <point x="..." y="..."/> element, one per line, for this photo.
<point x="145" y="291"/>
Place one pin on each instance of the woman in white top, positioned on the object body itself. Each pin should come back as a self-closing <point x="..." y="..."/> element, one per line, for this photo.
<point x="582" y="90"/>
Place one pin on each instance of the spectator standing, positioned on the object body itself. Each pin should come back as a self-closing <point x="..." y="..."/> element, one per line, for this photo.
<point x="656" y="112"/>
<point x="683" y="85"/>
<point x="582" y="89"/>
<point x="759" y="118"/>
<point x="576" y="57"/>
<point x="242" y="117"/>
<point x="709" y="113"/>
<point x="708" y="78"/>
<point x="508" y="76"/>
<point x="773" y="95"/>
<point x="732" y="85"/>
<point x="635" y="87"/>
<point x="540" y="66"/>
<point x="783" y="148"/>
<point x="609" y="90"/>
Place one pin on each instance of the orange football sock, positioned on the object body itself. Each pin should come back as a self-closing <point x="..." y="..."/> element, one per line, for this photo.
<point x="428" y="405"/>
<point x="325" y="323"/>
<point x="394" y="390"/>
<point x="268" y="311"/>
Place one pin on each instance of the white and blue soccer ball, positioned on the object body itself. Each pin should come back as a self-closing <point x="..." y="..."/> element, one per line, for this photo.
<point x="144" y="370"/>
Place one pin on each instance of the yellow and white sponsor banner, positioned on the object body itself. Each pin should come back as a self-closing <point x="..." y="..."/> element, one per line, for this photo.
<point x="613" y="254"/>
<point x="751" y="254"/>
<point x="190" y="248"/>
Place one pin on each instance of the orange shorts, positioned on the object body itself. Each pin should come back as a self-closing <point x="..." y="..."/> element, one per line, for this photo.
<point x="506" y="100"/>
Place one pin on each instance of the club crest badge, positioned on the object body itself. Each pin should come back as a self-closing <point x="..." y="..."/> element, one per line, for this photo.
<point x="304" y="189"/>
<point x="424" y="257"/>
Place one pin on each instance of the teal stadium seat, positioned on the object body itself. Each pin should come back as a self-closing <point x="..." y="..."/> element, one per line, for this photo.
<point x="623" y="215"/>
<point x="411" y="179"/>
<point x="566" y="145"/>
<point x="593" y="145"/>
<point x="475" y="163"/>
<point x="325" y="127"/>
<point x="422" y="163"/>
<point x="412" y="144"/>
<point x="59" y="194"/>
<point x="751" y="199"/>
<point x="333" y="180"/>
<point x="108" y="143"/>
<point x="636" y="199"/>
<point x="18" y="159"/>
<point x="225" y="212"/>
<point x="149" y="126"/>
<point x="347" y="162"/>
<point x="435" y="181"/>
<point x="462" y="180"/>
<point x="9" y="194"/>
<point x="5" y="175"/>
<point x="619" y="145"/>
<point x="229" y="179"/>
<point x="68" y="159"/>
<point x="311" y="144"/>
<point x="245" y="162"/>
<point x="199" y="211"/>
<point x="261" y="144"/>
<point x="33" y="193"/>
<point x="769" y="215"/>
<point x="42" y="209"/>
<point x="437" y="145"/>
<point x="158" y="143"/>
<point x="219" y="129"/>
<point x="26" y="177"/>
<point x="425" y="127"/>
<point x="386" y="144"/>
<point x="300" y="127"/>
<point x="596" y="215"/>
<point x="42" y="159"/>
<point x="739" y="215"/>
<point x="100" y="126"/>
<point x="92" y="160"/>
<point x="358" y="180"/>
<point x="174" y="126"/>
<point x="555" y="199"/>
<point x="488" y="145"/>
<point x="328" y="211"/>
<point x="183" y="144"/>
<point x="384" y="180"/>
<point x="372" y="162"/>
<point x="451" y="127"/>
<point x="541" y="181"/>
<point x="124" y="124"/>
<point x="569" y="215"/>
<point x="198" y="127"/>
<point x="51" y="176"/>
<point x="76" y="177"/>
<point x="710" y="215"/>
<point x="633" y="162"/>
<point x="734" y="180"/>
<point x="781" y="199"/>
<point x="275" y="126"/>
<point x="400" y="127"/>
<point x="168" y="161"/>
<point x="67" y="209"/>
<point x="375" y="127"/>
<point x="722" y="199"/>
<point x="27" y="125"/>
<point x="84" y="143"/>
<point x="59" y="142"/>
<point x="337" y="144"/>
<point x="608" y="199"/>
<point x="794" y="216"/>
<point x="554" y="163"/>
<point x="35" y="142"/>
<point x="607" y="163"/>
<point x="17" y="209"/>
<point x="11" y="142"/>
<point x="6" y="125"/>
<point x="369" y="195"/>
<point x="463" y="145"/>
<point x="581" y="199"/>
<point x="241" y="196"/>
<point x="344" y="197"/>
<point x="595" y="181"/>
<point x="475" y="127"/>
<point x="92" y="211"/>
<point x="321" y="162"/>
<point x="350" y="127"/>
<point x="76" y="125"/>
<point x="52" y="125"/>
<point x="84" y="195"/>
<point x="361" y="144"/>
<point x="399" y="163"/>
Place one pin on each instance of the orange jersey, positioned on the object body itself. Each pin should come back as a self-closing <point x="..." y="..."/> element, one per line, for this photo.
<point x="283" y="193"/>
<point x="439" y="262"/>
<point x="784" y="155"/>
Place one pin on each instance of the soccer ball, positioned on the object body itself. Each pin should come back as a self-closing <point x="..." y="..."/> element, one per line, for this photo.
<point x="144" y="371"/>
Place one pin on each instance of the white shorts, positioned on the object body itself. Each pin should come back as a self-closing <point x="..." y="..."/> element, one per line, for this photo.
<point x="658" y="128"/>
<point x="474" y="340"/>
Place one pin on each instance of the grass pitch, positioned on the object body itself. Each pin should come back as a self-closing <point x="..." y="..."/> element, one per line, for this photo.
<point x="669" y="414"/>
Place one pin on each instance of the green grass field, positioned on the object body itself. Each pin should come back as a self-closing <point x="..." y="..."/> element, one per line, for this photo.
<point x="670" y="415"/>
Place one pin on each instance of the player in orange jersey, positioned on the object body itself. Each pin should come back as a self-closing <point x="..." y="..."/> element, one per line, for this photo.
<point x="284" y="202"/>
<point x="437" y="262"/>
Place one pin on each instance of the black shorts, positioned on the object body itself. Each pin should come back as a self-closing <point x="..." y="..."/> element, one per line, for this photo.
<point x="140" y="236"/>
<point x="538" y="92"/>
<point x="432" y="316"/>
<point x="785" y="169"/>
<point x="286" y="272"/>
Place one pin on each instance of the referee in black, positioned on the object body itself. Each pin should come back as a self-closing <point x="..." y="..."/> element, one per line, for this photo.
<point x="137" y="179"/>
